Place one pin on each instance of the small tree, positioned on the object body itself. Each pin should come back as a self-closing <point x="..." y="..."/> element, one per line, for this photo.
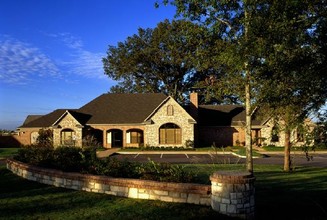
<point x="45" y="138"/>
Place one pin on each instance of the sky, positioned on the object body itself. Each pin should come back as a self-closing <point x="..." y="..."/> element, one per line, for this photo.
<point x="51" y="51"/>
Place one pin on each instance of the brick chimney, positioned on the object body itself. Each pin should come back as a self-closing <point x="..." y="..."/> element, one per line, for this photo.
<point x="194" y="105"/>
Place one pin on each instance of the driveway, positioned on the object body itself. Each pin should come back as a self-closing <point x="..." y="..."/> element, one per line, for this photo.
<point x="318" y="160"/>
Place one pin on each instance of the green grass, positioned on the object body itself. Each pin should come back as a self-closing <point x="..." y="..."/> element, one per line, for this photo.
<point x="8" y="152"/>
<point x="22" y="199"/>
<point x="298" y="195"/>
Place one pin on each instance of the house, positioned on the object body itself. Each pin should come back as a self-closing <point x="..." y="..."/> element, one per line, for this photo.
<point x="134" y="120"/>
<point x="117" y="120"/>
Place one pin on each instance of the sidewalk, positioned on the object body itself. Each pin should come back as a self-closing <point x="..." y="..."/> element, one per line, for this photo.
<point x="107" y="153"/>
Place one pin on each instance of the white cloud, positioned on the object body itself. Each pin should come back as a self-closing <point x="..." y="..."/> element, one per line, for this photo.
<point x="83" y="62"/>
<point x="20" y="62"/>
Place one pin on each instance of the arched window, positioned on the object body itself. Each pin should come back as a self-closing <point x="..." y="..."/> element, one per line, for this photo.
<point x="34" y="136"/>
<point x="67" y="137"/>
<point x="170" y="134"/>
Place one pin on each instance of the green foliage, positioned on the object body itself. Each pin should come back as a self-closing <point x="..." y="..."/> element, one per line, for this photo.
<point x="45" y="138"/>
<point x="62" y="158"/>
<point x="89" y="141"/>
<point x="170" y="58"/>
<point x="320" y="131"/>
<point x="74" y="159"/>
<point x="8" y="152"/>
<point x="165" y="172"/>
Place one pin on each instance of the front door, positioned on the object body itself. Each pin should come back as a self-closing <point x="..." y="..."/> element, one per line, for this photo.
<point x="117" y="138"/>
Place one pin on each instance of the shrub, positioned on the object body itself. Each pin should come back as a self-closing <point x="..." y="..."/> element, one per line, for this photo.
<point x="74" y="159"/>
<point x="35" y="155"/>
<point x="45" y="138"/>
<point x="165" y="172"/>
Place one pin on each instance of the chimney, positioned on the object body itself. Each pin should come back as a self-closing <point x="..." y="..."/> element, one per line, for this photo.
<point x="194" y="104"/>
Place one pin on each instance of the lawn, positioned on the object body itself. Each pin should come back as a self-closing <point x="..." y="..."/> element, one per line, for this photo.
<point x="7" y="152"/>
<point x="298" y="195"/>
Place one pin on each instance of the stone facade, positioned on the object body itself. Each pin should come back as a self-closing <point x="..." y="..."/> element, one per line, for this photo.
<point x="67" y="122"/>
<point x="233" y="193"/>
<point x="267" y="131"/>
<point x="163" y="116"/>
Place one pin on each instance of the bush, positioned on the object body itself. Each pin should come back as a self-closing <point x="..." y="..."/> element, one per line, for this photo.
<point x="74" y="159"/>
<point x="165" y="172"/>
<point x="34" y="155"/>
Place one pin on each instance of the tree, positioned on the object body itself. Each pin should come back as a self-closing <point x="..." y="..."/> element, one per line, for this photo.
<point x="279" y="54"/>
<point x="45" y="138"/>
<point x="293" y="63"/>
<point x="164" y="59"/>
<point x="229" y="20"/>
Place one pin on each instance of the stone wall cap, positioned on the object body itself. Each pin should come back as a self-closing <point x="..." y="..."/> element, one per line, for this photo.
<point x="234" y="173"/>
<point x="232" y="176"/>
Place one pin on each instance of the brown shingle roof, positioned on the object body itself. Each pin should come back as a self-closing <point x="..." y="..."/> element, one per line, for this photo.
<point x="223" y="115"/>
<point x="113" y="108"/>
<point x="31" y="118"/>
<point x="49" y="119"/>
<point x="46" y="120"/>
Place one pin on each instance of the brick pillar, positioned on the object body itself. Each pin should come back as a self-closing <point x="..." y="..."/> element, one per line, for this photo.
<point x="194" y="105"/>
<point x="232" y="193"/>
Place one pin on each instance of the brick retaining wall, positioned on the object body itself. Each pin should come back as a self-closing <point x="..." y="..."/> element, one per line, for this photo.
<point x="132" y="188"/>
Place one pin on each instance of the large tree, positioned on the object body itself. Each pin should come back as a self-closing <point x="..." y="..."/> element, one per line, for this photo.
<point x="164" y="59"/>
<point x="278" y="49"/>
<point x="231" y="21"/>
<point x="293" y="66"/>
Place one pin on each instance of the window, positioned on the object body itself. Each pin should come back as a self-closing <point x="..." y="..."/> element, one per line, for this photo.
<point x="299" y="135"/>
<point x="274" y="134"/>
<point x="170" y="110"/>
<point x="170" y="134"/>
<point x="67" y="137"/>
<point x="136" y="137"/>
<point x="34" y="136"/>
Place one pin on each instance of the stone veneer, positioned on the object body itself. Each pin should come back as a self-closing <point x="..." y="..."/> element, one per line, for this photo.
<point x="67" y="122"/>
<point x="179" y="117"/>
<point x="131" y="188"/>
<point x="233" y="193"/>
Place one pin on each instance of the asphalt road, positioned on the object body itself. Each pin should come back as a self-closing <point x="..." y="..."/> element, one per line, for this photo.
<point x="317" y="160"/>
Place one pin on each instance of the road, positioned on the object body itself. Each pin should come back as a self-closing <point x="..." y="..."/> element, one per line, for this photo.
<point x="318" y="160"/>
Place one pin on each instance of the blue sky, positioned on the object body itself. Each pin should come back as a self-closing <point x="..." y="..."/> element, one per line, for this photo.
<point x="51" y="51"/>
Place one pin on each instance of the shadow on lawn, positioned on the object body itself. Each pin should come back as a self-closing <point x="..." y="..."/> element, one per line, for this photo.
<point x="23" y="199"/>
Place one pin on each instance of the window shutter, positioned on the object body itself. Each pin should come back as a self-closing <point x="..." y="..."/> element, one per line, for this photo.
<point x="108" y="137"/>
<point x="128" y="137"/>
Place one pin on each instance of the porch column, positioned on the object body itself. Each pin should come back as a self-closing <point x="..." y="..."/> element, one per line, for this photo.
<point x="124" y="139"/>
<point x="104" y="138"/>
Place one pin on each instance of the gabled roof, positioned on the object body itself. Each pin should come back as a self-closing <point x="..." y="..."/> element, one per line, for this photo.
<point x="49" y="119"/>
<point x="223" y="115"/>
<point x="31" y="118"/>
<point x="114" y="108"/>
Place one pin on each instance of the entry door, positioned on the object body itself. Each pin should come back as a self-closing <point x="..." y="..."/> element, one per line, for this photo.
<point x="117" y="138"/>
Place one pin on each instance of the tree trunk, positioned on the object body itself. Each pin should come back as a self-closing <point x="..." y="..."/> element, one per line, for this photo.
<point x="287" y="151"/>
<point x="248" y="138"/>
